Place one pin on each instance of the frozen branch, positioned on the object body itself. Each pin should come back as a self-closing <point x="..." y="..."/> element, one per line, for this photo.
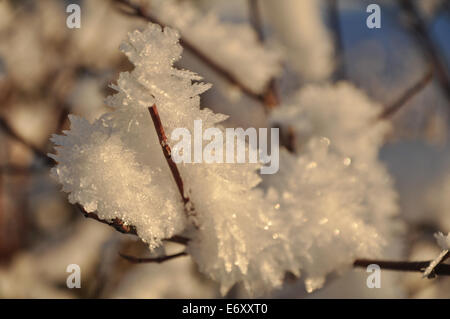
<point x="429" y="271"/>
<point x="417" y="266"/>
<point x="117" y="224"/>
<point x="121" y="227"/>
<point x="189" y="208"/>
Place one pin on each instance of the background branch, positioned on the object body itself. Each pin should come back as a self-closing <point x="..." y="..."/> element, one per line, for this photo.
<point x="418" y="266"/>
<point x="390" y="110"/>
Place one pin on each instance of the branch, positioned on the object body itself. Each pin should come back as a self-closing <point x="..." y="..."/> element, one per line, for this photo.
<point x="116" y="223"/>
<point x="390" y="110"/>
<point x="426" y="43"/>
<point x="418" y="266"/>
<point x="429" y="271"/>
<point x="158" y="260"/>
<point x="189" y="207"/>
<point x="413" y="266"/>
<point x="138" y="11"/>
<point x="123" y="228"/>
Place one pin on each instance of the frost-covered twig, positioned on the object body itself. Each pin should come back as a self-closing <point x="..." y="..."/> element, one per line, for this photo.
<point x="419" y="266"/>
<point x="121" y="227"/>
<point x="424" y="40"/>
<point x="116" y="223"/>
<point x="444" y="243"/>
<point x="167" y="152"/>
<point x="188" y="206"/>
<point x="140" y="12"/>
<point x="390" y="110"/>
<point x="429" y="271"/>
<point x="158" y="260"/>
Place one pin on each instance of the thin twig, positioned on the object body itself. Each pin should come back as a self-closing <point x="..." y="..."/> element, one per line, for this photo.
<point x="116" y="223"/>
<point x="138" y="11"/>
<point x="167" y="151"/>
<point x="138" y="260"/>
<point x="188" y="205"/>
<point x="425" y="41"/>
<point x="123" y="228"/>
<point x="429" y="271"/>
<point x="390" y="110"/>
<point x="418" y="266"/>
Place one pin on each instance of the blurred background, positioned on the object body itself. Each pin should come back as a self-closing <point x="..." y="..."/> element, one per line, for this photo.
<point x="48" y="71"/>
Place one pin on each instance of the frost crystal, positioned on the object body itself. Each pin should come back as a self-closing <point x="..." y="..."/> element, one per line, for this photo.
<point x="115" y="166"/>
<point x="339" y="112"/>
<point x="443" y="241"/>
<point x="317" y="214"/>
<point x="330" y="190"/>
<point x="101" y="173"/>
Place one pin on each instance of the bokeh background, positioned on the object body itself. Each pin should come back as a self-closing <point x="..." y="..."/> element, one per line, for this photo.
<point x="48" y="71"/>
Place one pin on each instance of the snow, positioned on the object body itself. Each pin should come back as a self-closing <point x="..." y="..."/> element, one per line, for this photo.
<point x="115" y="165"/>
<point x="319" y="213"/>
<point x="340" y="112"/>
<point x="330" y="191"/>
